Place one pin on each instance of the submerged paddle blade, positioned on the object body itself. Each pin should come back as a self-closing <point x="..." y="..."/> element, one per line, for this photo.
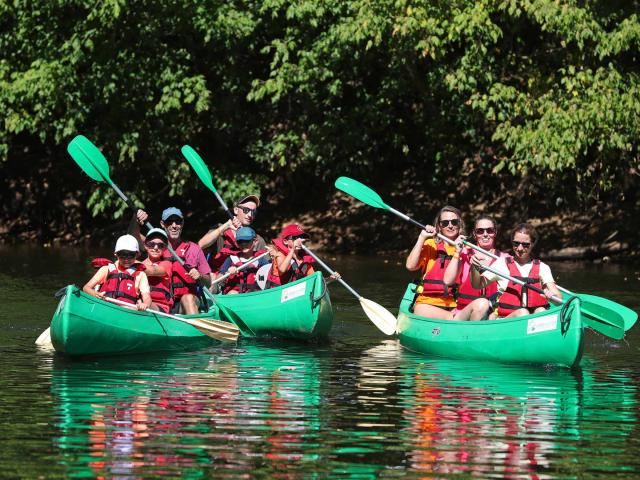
<point x="360" y="191"/>
<point x="380" y="316"/>
<point x="198" y="165"/>
<point x="44" y="340"/>
<point x="89" y="158"/>
<point x="613" y="312"/>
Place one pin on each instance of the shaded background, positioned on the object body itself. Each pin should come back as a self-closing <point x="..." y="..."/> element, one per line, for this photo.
<point x="527" y="111"/>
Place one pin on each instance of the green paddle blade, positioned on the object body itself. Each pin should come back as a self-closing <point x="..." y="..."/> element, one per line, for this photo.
<point x="610" y="311"/>
<point x="198" y="165"/>
<point x="361" y="192"/>
<point x="89" y="158"/>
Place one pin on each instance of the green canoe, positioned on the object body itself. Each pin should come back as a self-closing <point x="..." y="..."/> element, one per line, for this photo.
<point x="554" y="336"/>
<point x="299" y="310"/>
<point x="85" y="325"/>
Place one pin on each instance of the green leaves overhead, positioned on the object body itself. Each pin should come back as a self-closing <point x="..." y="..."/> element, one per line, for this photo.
<point x="279" y="87"/>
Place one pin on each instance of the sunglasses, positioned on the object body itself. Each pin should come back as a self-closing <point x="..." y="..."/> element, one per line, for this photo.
<point x="517" y="244"/>
<point x="247" y="210"/>
<point x="125" y="255"/>
<point x="445" y="223"/>
<point x="156" y="245"/>
<point x="244" y="242"/>
<point x="296" y="237"/>
<point x="488" y="231"/>
<point x="176" y="220"/>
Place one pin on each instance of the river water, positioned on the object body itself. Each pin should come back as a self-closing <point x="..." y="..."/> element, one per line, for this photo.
<point x="356" y="406"/>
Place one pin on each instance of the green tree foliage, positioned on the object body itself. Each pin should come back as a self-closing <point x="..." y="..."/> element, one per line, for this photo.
<point x="277" y="89"/>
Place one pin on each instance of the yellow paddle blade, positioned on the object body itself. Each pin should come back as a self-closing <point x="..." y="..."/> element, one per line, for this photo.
<point x="380" y="316"/>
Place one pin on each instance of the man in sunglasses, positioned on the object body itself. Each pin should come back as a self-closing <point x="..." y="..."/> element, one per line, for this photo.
<point x="184" y="280"/>
<point x="222" y="238"/>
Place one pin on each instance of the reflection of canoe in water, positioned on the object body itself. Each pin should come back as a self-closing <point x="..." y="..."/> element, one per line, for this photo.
<point x="554" y="336"/>
<point x="298" y="310"/>
<point x="189" y="414"/>
<point x="85" y="325"/>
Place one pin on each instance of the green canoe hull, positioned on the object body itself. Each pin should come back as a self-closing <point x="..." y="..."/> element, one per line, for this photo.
<point x="299" y="310"/>
<point x="544" y="338"/>
<point x="84" y="325"/>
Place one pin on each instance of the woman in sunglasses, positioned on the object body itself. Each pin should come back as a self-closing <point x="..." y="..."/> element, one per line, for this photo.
<point x="435" y="297"/>
<point x="158" y="270"/>
<point x="459" y="269"/>
<point x="516" y="300"/>
<point x="123" y="280"/>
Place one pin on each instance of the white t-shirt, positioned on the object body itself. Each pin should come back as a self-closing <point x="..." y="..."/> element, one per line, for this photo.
<point x="501" y="266"/>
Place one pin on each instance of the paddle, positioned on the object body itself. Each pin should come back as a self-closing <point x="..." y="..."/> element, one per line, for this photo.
<point x="241" y="267"/>
<point x="206" y="326"/>
<point x="201" y="169"/>
<point x="44" y="339"/>
<point x="380" y="316"/>
<point x="91" y="160"/>
<point x="593" y="309"/>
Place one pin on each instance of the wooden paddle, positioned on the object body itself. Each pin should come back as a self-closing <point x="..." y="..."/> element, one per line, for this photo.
<point x="201" y="169"/>
<point x="380" y="316"/>
<point x="212" y="328"/>
<point x="602" y="311"/>
<point x="91" y="160"/>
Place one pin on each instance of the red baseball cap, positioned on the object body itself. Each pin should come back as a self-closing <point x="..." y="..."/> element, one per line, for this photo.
<point x="293" y="230"/>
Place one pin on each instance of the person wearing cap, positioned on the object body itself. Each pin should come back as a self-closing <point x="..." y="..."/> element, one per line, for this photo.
<point x="184" y="281"/>
<point x="291" y="263"/>
<point x="244" y="280"/>
<point x="158" y="270"/>
<point x="223" y="237"/>
<point x="124" y="280"/>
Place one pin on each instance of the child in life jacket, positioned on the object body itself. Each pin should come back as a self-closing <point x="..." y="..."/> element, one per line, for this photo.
<point x="158" y="270"/>
<point x="123" y="280"/>
<point x="244" y="280"/>
<point x="291" y="263"/>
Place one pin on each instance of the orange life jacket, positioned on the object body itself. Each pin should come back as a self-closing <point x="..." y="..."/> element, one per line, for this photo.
<point x="432" y="281"/>
<point x="245" y="280"/>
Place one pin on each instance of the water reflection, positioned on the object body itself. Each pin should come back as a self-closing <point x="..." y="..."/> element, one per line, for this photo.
<point x="344" y="409"/>
<point x="493" y="420"/>
<point x="182" y="415"/>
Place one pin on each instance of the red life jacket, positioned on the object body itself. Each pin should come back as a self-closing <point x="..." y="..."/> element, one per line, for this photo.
<point x="432" y="281"/>
<point x="181" y="282"/>
<point x="122" y="284"/>
<point x="295" y="272"/>
<point x="244" y="280"/>
<point x="511" y="299"/>
<point x="229" y="247"/>
<point x="161" y="291"/>
<point x="467" y="294"/>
